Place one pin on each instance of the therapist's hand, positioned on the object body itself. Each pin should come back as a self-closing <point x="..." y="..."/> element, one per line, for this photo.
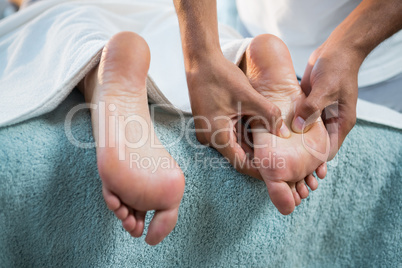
<point x="221" y="95"/>
<point x="330" y="82"/>
<point x="330" y="78"/>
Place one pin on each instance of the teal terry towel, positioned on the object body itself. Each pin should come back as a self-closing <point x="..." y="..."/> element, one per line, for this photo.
<point x="52" y="212"/>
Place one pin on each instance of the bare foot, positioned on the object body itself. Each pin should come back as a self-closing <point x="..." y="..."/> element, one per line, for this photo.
<point x="138" y="174"/>
<point x="284" y="163"/>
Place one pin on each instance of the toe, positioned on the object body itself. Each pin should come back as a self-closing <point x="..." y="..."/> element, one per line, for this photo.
<point x="161" y="225"/>
<point x="140" y="222"/>
<point x="312" y="182"/>
<point x="281" y="196"/>
<point x="302" y="189"/>
<point x="129" y="223"/>
<point x="112" y="201"/>
<point x="321" y="171"/>
<point x="122" y="212"/>
<point x="296" y="196"/>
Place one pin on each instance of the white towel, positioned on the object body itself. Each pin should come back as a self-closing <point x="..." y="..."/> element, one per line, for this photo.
<point x="46" y="49"/>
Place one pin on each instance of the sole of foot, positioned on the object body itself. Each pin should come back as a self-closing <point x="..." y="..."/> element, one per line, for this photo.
<point x="286" y="164"/>
<point x="137" y="172"/>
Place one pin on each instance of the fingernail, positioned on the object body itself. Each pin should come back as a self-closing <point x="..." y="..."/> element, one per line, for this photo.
<point x="284" y="131"/>
<point x="298" y="124"/>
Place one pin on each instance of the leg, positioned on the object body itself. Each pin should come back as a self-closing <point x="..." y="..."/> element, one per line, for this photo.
<point x="284" y="163"/>
<point x="133" y="179"/>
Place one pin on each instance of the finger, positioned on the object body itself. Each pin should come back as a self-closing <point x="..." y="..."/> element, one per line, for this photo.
<point x="224" y="141"/>
<point x="261" y="109"/>
<point x="339" y="120"/>
<point x="140" y="223"/>
<point x="321" y="171"/>
<point x="309" y="110"/>
<point x="305" y="82"/>
<point x="312" y="182"/>
<point x="240" y="160"/>
<point x="331" y="121"/>
<point x="244" y="139"/>
<point x="161" y="225"/>
<point x="333" y="133"/>
<point x="306" y="79"/>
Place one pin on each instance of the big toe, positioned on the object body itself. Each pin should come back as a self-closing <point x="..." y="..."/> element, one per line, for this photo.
<point x="281" y="196"/>
<point x="161" y="225"/>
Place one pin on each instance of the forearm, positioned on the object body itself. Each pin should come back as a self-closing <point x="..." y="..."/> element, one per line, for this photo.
<point x="199" y="30"/>
<point x="366" y="27"/>
<point x="16" y="2"/>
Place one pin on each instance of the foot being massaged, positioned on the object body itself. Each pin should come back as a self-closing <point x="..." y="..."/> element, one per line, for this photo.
<point x="284" y="133"/>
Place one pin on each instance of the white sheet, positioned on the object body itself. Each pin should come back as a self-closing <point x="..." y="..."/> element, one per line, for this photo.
<point x="46" y="49"/>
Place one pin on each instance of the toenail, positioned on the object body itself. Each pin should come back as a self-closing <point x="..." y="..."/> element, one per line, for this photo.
<point x="298" y="124"/>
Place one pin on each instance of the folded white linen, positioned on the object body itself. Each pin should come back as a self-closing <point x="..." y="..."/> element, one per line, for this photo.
<point x="47" y="48"/>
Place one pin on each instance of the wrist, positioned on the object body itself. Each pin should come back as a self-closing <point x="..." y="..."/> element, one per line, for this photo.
<point x="349" y="42"/>
<point x="348" y="55"/>
<point x="200" y="56"/>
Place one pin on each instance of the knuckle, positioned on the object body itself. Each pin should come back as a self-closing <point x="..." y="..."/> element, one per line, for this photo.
<point x="221" y="140"/>
<point x="275" y="111"/>
<point x="312" y="106"/>
<point x="333" y="88"/>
